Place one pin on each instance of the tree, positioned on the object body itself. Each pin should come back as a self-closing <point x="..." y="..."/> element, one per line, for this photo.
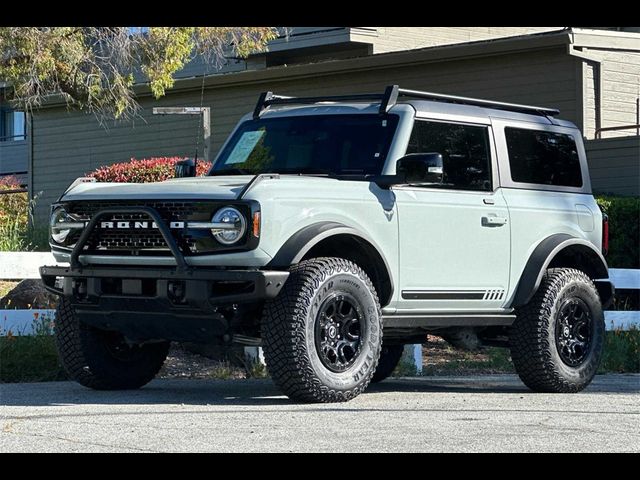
<point x="95" y="68"/>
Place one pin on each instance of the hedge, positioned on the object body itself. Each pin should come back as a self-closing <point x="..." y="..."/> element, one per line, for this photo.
<point x="155" y="169"/>
<point x="624" y="230"/>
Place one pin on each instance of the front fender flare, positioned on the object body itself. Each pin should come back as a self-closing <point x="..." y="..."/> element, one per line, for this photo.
<point x="301" y="242"/>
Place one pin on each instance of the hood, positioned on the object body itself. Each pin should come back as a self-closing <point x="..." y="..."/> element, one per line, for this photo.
<point x="222" y="188"/>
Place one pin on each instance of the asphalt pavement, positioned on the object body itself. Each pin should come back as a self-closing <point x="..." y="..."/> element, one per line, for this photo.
<point x="454" y="414"/>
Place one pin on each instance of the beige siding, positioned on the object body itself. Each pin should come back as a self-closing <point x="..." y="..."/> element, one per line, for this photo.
<point x="620" y="72"/>
<point x="614" y="165"/>
<point x="392" y="39"/>
<point x="67" y="145"/>
<point x="590" y="110"/>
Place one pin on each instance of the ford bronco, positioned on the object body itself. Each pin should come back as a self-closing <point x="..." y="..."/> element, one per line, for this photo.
<point x="332" y="231"/>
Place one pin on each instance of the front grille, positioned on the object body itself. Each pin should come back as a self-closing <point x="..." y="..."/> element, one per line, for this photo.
<point x="147" y="241"/>
<point x="120" y="240"/>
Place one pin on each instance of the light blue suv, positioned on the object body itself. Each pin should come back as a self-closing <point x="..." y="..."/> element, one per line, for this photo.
<point x="334" y="230"/>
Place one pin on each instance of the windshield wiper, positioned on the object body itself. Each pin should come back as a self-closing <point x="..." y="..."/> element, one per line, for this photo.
<point x="304" y="171"/>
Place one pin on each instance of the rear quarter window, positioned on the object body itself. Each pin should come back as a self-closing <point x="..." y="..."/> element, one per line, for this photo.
<point x="544" y="158"/>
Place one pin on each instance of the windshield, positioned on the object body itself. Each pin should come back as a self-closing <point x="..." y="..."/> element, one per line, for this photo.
<point x="322" y="144"/>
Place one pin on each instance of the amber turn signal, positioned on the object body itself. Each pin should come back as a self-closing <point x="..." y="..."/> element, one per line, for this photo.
<point x="256" y="224"/>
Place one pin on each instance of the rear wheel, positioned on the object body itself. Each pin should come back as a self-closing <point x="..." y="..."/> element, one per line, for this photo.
<point x="102" y="359"/>
<point x="389" y="359"/>
<point x="557" y="338"/>
<point x="322" y="333"/>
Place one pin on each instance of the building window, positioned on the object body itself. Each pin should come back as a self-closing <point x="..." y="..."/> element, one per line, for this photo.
<point x="12" y="126"/>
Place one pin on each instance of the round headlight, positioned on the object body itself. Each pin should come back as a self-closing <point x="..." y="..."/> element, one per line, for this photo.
<point x="234" y="223"/>
<point x="59" y="231"/>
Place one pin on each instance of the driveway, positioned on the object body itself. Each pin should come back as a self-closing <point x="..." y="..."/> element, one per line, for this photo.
<point x="470" y="414"/>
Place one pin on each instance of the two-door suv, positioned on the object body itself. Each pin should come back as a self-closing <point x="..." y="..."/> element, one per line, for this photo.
<point x="332" y="231"/>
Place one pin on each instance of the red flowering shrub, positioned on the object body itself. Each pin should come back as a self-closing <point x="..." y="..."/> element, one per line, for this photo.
<point x="146" y="170"/>
<point x="9" y="182"/>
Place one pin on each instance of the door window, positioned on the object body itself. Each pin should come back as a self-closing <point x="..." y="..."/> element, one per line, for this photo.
<point x="464" y="149"/>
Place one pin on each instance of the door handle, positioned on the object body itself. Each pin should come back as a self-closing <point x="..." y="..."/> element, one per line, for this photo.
<point x="493" y="221"/>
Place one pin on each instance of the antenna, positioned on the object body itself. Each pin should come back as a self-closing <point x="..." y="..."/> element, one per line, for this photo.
<point x="195" y="159"/>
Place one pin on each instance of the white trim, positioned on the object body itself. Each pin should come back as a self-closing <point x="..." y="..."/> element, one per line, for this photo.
<point x="21" y="265"/>
<point x="625" y="278"/>
<point x="21" y="322"/>
<point x="622" y="320"/>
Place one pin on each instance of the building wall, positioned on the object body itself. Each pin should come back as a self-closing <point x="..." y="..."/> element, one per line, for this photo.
<point x="13" y="157"/>
<point x="614" y="165"/>
<point x="69" y="144"/>
<point x="390" y="39"/>
<point x="620" y="82"/>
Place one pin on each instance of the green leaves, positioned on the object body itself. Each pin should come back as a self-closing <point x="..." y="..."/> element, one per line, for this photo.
<point x="94" y="68"/>
<point x="624" y="230"/>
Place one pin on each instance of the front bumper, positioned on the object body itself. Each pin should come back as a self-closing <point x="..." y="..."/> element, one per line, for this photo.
<point x="169" y="303"/>
<point x="199" y="286"/>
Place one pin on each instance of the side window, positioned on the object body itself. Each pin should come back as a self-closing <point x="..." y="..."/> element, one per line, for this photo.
<point x="465" y="152"/>
<point x="12" y="125"/>
<point x="545" y="158"/>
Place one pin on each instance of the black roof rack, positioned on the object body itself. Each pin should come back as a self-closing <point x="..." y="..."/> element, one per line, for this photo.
<point x="389" y="98"/>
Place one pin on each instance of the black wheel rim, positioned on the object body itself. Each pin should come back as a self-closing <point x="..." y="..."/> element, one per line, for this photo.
<point x="574" y="332"/>
<point x="338" y="331"/>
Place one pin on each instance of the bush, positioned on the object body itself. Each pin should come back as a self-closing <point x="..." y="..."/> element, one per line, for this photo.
<point x="14" y="216"/>
<point x="146" y="170"/>
<point x="18" y="232"/>
<point x="624" y="230"/>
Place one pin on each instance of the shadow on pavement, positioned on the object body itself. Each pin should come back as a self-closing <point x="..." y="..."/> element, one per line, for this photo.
<point x="264" y="392"/>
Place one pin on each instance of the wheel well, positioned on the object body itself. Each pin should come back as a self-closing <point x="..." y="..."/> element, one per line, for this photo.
<point x="562" y="251"/>
<point x="581" y="258"/>
<point x="360" y="252"/>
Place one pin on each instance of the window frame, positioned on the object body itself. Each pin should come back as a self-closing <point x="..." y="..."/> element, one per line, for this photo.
<point x="499" y="126"/>
<point x="4" y="138"/>
<point x="493" y="163"/>
<point x="384" y="161"/>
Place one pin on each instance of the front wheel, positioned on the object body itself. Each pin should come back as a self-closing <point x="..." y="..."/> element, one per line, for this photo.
<point x="101" y="359"/>
<point x="322" y="333"/>
<point x="557" y="338"/>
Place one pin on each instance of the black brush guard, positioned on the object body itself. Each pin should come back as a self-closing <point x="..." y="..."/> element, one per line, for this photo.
<point x="181" y="302"/>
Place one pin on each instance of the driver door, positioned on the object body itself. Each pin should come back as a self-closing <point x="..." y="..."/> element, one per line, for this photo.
<point x="455" y="236"/>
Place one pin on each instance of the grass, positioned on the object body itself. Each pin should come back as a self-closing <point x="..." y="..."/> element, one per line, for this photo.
<point x="34" y="359"/>
<point x="15" y="238"/>
<point x="621" y="352"/>
<point x="29" y="359"/>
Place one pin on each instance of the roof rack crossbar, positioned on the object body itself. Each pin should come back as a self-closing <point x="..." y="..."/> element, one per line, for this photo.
<point x="268" y="99"/>
<point x="513" y="107"/>
<point x="389" y="98"/>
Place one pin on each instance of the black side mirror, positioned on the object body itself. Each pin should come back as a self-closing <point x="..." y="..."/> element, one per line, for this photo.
<point x="421" y="168"/>
<point x="185" y="168"/>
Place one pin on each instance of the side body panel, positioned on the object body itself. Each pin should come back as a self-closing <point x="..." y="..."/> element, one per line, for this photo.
<point x="450" y="259"/>
<point x="355" y="204"/>
<point x="538" y="212"/>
